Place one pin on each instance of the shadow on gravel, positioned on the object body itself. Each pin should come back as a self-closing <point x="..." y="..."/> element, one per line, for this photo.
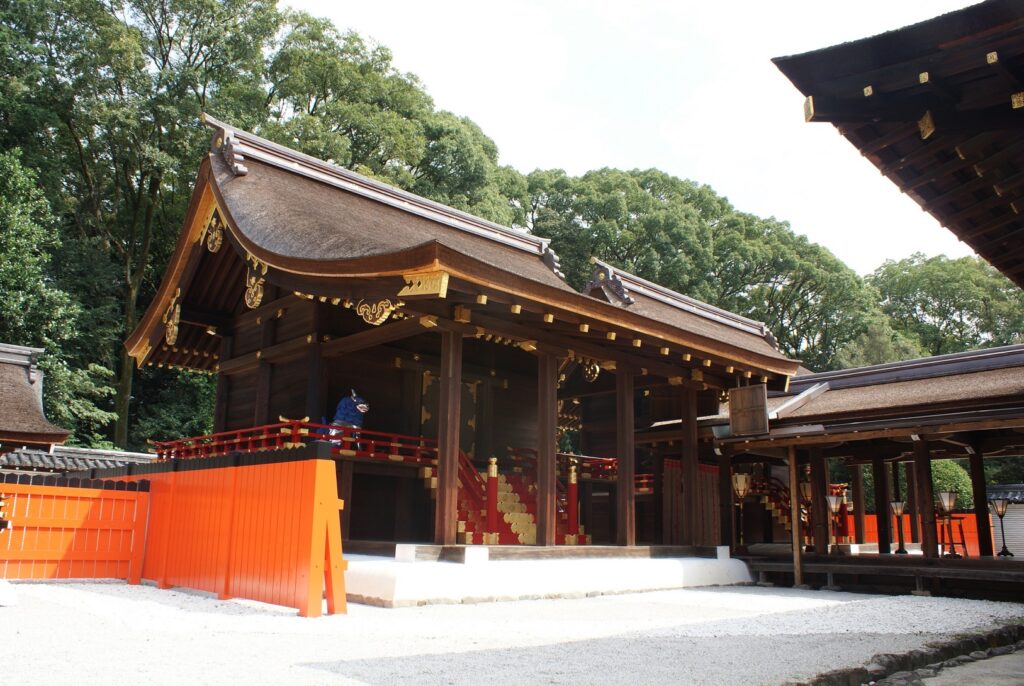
<point x="183" y="599"/>
<point x="631" y="659"/>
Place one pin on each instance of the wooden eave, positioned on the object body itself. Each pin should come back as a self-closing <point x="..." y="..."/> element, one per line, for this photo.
<point x="938" y="108"/>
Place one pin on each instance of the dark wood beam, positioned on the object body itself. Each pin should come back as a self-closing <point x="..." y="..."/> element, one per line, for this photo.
<point x="547" y="410"/>
<point x="200" y="316"/>
<point x="915" y="520"/>
<point x="876" y="109"/>
<point x="380" y="335"/>
<point x="261" y="401"/>
<point x="725" y="499"/>
<point x="220" y="409"/>
<point x="794" y="517"/>
<point x="625" y="489"/>
<point x="272" y="353"/>
<point x="689" y="464"/>
<point x="446" y="513"/>
<point x="881" y="505"/>
<point x="981" y="516"/>
<point x="819" y="501"/>
<point x="925" y="499"/>
<point x="858" y="503"/>
<point x="316" y="388"/>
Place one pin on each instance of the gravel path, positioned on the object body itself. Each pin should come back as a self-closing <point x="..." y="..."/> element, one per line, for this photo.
<point x="111" y="633"/>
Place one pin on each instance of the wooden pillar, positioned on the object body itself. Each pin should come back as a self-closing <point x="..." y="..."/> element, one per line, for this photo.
<point x="858" y="502"/>
<point x="915" y="528"/>
<point x="881" y="505"/>
<point x="446" y="512"/>
<point x="625" y="486"/>
<point x="547" y="411"/>
<point x="725" y="500"/>
<point x="819" y="502"/>
<point x="925" y="498"/>
<point x="660" y="506"/>
<point x="264" y="370"/>
<point x="794" y="516"/>
<point x="220" y="411"/>
<point x="690" y="470"/>
<point x="985" y="545"/>
<point x="316" y="387"/>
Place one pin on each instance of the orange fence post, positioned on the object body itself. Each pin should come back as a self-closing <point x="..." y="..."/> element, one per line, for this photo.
<point x="320" y="537"/>
<point x="139" y="538"/>
<point x="572" y="502"/>
<point x="492" y="498"/>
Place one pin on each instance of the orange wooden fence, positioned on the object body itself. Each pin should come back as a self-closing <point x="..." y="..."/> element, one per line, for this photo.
<point x="64" y="532"/>
<point x="966" y="521"/>
<point x="267" y="532"/>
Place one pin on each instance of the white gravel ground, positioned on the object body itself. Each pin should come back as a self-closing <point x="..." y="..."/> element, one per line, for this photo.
<point x="111" y="633"/>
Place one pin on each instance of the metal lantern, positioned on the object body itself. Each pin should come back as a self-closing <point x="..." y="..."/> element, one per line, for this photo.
<point x="805" y="491"/>
<point x="898" y="507"/>
<point x="947" y="500"/>
<point x="741" y="484"/>
<point x="999" y="506"/>
<point x="835" y="502"/>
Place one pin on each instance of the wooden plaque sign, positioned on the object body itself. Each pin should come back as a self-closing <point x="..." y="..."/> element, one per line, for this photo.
<point x="748" y="410"/>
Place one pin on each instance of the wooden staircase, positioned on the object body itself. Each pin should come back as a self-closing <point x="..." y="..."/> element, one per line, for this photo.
<point x="517" y="508"/>
<point x="774" y="496"/>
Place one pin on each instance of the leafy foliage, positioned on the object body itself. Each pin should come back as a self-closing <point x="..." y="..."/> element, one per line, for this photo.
<point x="950" y="305"/>
<point x="947" y="475"/>
<point x="684" y="236"/>
<point x="35" y="312"/>
<point x="103" y="97"/>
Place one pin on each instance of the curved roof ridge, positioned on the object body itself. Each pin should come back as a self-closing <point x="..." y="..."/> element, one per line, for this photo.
<point x="965" y="362"/>
<point x="238" y="145"/>
<point x="636" y="284"/>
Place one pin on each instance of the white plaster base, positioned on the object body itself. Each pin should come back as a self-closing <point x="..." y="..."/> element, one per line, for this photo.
<point x="389" y="583"/>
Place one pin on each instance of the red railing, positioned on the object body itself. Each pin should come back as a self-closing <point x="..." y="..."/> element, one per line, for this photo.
<point x="288" y="434"/>
<point x="587" y="467"/>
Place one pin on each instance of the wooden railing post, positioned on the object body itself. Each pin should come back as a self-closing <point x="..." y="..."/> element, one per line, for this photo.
<point x="492" y="499"/>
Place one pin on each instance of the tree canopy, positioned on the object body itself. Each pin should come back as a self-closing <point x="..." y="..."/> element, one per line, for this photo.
<point x="100" y="138"/>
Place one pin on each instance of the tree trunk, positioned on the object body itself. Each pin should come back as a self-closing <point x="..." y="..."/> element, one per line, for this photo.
<point x="125" y="375"/>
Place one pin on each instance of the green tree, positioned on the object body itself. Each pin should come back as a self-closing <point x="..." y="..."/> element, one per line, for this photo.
<point x="338" y="97"/>
<point x="113" y="93"/>
<point x="947" y="475"/>
<point x="950" y="305"/>
<point x="34" y="312"/>
<point x="879" y="343"/>
<point x="685" y="237"/>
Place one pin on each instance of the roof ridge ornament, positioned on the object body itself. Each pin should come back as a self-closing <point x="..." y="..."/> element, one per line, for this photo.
<point x="553" y="262"/>
<point x="617" y="285"/>
<point x="605" y="279"/>
<point x="232" y="157"/>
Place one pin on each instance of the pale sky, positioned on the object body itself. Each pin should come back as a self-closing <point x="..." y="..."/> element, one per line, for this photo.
<point x="685" y="87"/>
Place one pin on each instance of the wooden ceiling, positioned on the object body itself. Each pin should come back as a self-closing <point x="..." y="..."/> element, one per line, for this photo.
<point x="938" y="108"/>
